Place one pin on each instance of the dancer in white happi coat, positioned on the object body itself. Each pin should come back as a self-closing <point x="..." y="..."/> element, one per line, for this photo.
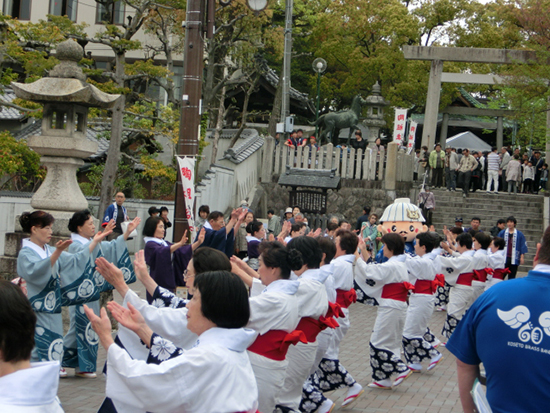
<point x="496" y="262"/>
<point x="214" y="376"/>
<point x="312" y="309"/>
<point x="481" y="244"/>
<point x="313" y="399"/>
<point x="387" y="285"/>
<point x="458" y="272"/>
<point x="25" y="387"/>
<point x="331" y="373"/>
<point x="423" y="270"/>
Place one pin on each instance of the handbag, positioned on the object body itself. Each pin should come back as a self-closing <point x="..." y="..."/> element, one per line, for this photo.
<point x="124" y="226"/>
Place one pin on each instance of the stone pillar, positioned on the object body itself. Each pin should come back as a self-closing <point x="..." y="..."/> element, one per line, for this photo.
<point x="267" y="161"/>
<point x="444" y="130"/>
<point x="432" y="105"/>
<point x="391" y="166"/>
<point x="500" y="137"/>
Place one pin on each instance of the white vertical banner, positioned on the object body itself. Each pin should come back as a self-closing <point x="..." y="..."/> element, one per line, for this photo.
<point x="412" y="137"/>
<point x="399" y="126"/>
<point x="187" y="171"/>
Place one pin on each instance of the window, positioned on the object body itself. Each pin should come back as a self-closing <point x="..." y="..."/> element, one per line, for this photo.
<point x="112" y="13"/>
<point x="18" y="9"/>
<point x="64" y="8"/>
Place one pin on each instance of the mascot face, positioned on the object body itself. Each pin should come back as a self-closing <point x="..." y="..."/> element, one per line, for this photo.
<point x="403" y="218"/>
<point x="407" y="229"/>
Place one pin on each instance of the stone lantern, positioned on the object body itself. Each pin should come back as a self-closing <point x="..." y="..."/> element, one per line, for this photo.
<point x="63" y="144"/>
<point x="375" y="113"/>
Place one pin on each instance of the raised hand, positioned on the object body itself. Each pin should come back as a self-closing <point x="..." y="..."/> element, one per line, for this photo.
<point x="128" y="317"/>
<point x="184" y="238"/>
<point x="237" y="262"/>
<point x="101" y="325"/>
<point x="202" y="234"/>
<point x="112" y="275"/>
<point x="100" y="236"/>
<point x="134" y="224"/>
<point x="142" y="273"/>
<point x="63" y="245"/>
<point x="110" y="225"/>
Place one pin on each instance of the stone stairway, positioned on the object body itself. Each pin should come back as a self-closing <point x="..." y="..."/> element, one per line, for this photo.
<point x="527" y="209"/>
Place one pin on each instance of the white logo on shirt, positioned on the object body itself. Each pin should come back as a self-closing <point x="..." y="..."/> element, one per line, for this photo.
<point x="518" y="318"/>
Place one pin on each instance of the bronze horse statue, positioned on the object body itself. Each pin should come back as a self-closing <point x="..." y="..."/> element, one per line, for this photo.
<point x="330" y="123"/>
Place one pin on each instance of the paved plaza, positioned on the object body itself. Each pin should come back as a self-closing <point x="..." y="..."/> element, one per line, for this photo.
<point x="433" y="392"/>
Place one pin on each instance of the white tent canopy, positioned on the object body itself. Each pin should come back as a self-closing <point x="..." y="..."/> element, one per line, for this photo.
<point x="467" y="140"/>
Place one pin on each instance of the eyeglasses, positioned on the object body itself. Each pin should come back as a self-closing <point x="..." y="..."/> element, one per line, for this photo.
<point x="186" y="275"/>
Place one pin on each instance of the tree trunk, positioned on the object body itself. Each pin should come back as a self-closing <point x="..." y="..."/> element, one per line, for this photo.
<point x="219" y="127"/>
<point x="276" y="112"/>
<point x="253" y="86"/>
<point x="113" y="154"/>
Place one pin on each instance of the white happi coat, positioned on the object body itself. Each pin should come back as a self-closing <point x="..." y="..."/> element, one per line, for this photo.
<point x="460" y="295"/>
<point x="495" y="261"/>
<point x="421" y="306"/>
<point x="388" y="327"/>
<point x="312" y="302"/>
<point x="169" y="323"/>
<point x="480" y="263"/>
<point x="343" y="280"/>
<point x="275" y="308"/>
<point x="215" y="376"/>
<point x="31" y="390"/>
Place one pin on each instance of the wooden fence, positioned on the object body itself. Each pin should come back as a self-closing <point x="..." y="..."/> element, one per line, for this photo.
<point x="348" y="162"/>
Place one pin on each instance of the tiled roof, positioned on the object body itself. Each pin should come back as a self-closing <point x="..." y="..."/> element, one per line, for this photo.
<point x="251" y="144"/>
<point x="7" y="113"/>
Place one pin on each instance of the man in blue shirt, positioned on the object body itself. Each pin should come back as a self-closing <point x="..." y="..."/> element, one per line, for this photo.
<point x="508" y="330"/>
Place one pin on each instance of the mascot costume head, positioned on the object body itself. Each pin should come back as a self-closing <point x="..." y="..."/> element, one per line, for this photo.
<point x="403" y="218"/>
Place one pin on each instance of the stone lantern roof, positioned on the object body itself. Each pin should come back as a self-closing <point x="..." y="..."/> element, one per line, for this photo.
<point x="375" y="99"/>
<point x="66" y="82"/>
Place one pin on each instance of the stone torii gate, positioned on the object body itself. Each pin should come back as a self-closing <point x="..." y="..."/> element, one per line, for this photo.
<point x="438" y="55"/>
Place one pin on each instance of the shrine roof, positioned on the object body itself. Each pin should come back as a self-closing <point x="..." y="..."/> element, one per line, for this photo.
<point x="310" y="178"/>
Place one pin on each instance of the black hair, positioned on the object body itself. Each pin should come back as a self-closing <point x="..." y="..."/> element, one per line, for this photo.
<point x="358" y="132"/>
<point x="78" y="219"/>
<point x="270" y="211"/>
<point x="39" y="219"/>
<point x="366" y="209"/>
<point x="544" y="250"/>
<point x="483" y="239"/>
<point x="493" y="148"/>
<point x="456" y="230"/>
<point x="476" y="218"/>
<point x="428" y="240"/>
<point x="343" y="221"/>
<point x="499" y="243"/>
<point x="309" y="248"/>
<point x="17" y="323"/>
<point x="152" y="210"/>
<point x="465" y="240"/>
<point x="328" y="247"/>
<point x="150" y="226"/>
<point x="300" y="130"/>
<point x="545" y="165"/>
<point x="276" y="255"/>
<point x="224" y="298"/>
<point x="512" y="219"/>
<point x="501" y="221"/>
<point x="214" y="215"/>
<point x="348" y="241"/>
<point x="253" y="227"/>
<point x="204" y="208"/>
<point x="472" y="232"/>
<point x="209" y="259"/>
<point x="394" y="242"/>
<point x="297" y="226"/>
<point x="331" y="226"/>
<point x="163" y="208"/>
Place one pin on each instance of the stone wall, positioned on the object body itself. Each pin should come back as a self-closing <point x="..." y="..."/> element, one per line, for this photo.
<point x="348" y="202"/>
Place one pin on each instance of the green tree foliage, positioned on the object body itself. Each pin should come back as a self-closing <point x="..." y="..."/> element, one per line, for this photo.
<point x="20" y="166"/>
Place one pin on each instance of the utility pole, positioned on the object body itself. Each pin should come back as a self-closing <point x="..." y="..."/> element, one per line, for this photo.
<point x="285" y="107"/>
<point x="188" y="143"/>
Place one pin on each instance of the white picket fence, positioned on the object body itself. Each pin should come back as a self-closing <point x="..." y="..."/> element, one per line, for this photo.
<point x="348" y="162"/>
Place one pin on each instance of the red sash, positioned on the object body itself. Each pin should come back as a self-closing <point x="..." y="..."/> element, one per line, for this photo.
<point x="500" y="273"/>
<point x="275" y="343"/>
<point x="465" y="279"/>
<point x="334" y="310"/>
<point x="397" y="291"/>
<point x="312" y="327"/>
<point x="423" y="287"/>
<point x="481" y="275"/>
<point x="346" y="298"/>
<point x="439" y="281"/>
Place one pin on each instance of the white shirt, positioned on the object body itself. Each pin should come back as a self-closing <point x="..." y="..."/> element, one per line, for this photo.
<point x="312" y="294"/>
<point x="343" y="272"/>
<point x="452" y="267"/>
<point x="215" y="376"/>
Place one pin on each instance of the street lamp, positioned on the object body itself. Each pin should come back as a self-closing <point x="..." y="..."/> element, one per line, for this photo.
<point x="319" y="66"/>
<point x="257" y="5"/>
